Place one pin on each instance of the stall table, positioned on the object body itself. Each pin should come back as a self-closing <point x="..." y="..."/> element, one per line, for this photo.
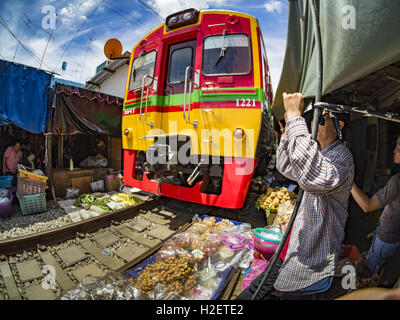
<point x="78" y="178"/>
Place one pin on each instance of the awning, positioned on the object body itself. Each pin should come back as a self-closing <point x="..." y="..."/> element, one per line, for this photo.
<point x="23" y="96"/>
<point x="82" y="111"/>
<point x="358" y="38"/>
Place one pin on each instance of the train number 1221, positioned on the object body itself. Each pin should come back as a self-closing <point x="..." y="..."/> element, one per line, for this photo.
<point x="245" y="102"/>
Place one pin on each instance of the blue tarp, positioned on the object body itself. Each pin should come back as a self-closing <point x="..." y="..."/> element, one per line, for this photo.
<point x="23" y="96"/>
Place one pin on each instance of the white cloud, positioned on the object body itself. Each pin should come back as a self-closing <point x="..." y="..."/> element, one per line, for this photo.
<point x="273" y="5"/>
<point x="77" y="11"/>
<point x="275" y="48"/>
<point x="167" y="7"/>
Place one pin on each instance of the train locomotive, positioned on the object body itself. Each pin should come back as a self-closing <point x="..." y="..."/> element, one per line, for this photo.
<point x="196" y="116"/>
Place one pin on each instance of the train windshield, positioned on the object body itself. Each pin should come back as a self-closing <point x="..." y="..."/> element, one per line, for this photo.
<point x="180" y="60"/>
<point x="142" y="66"/>
<point x="226" y="54"/>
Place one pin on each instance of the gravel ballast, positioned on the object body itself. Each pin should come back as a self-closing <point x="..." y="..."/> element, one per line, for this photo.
<point x="18" y="225"/>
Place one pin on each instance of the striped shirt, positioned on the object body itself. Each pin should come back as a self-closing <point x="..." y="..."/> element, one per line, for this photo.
<point x="326" y="177"/>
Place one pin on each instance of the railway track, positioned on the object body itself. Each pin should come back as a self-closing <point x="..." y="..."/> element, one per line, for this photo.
<point x="47" y="264"/>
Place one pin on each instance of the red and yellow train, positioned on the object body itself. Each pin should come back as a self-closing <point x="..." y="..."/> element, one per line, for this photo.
<point x="196" y="110"/>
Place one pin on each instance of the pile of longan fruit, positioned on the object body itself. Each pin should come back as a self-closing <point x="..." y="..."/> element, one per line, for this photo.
<point x="176" y="274"/>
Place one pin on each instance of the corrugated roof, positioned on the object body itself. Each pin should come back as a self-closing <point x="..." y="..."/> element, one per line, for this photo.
<point x="107" y="71"/>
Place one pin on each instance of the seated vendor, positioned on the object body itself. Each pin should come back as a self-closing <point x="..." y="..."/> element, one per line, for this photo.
<point x="387" y="240"/>
<point x="12" y="157"/>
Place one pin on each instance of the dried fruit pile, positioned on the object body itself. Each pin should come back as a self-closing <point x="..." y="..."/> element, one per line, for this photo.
<point x="173" y="274"/>
<point x="274" y="197"/>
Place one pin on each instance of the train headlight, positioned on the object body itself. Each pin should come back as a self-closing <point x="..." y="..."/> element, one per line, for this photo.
<point x="127" y="132"/>
<point x="181" y="18"/>
<point x="187" y="16"/>
<point x="173" y="20"/>
<point x="239" y="134"/>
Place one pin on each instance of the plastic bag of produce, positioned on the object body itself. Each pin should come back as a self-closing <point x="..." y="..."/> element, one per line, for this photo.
<point x="72" y="193"/>
<point x="97" y="186"/>
<point x="85" y="214"/>
<point x="115" y="205"/>
<point x="256" y="268"/>
<point x="285" y="211"/>
<point x="97" y="209"/>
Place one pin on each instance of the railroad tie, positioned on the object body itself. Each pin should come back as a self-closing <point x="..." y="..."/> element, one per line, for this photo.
<point x="100" y="255"/>
<point x="12" y="290"/>
<point x="61" y="277"/>
<point x="135" y="236"/>
<point x="155" y="218"/>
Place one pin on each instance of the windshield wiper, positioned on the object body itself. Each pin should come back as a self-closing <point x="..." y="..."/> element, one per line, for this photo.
<point x="134" y="71"/>
<point x="223" y="48"/>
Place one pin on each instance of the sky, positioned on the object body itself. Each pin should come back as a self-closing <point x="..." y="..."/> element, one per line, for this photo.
<point x="75" y="31"/>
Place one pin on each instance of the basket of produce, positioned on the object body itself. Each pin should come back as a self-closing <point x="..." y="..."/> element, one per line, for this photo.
<point x="27" y="186"/>
<point x="32" y="176"/>
<point x="33" y="203"/>
<point x="93" y="205"/>
<point x="284" y="213"/>
<point x="274" y="197"/>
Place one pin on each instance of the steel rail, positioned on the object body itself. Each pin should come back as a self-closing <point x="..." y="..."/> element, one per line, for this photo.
<point x="54" y="236"/>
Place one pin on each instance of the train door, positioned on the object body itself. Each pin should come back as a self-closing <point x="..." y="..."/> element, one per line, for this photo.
<point x="176" y="116"/>
<point x="180" y="56"/>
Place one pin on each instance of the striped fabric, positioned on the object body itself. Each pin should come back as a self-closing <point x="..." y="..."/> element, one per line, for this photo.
<point x="326" y="177"/>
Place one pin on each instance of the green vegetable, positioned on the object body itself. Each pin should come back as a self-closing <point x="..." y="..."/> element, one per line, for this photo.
<point x="102" y="203"/>
<point x="77" y="202"/>
<point x="87" y="198"/>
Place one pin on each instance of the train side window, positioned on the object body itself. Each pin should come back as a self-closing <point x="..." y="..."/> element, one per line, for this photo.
<point x="142" y="65"/>
<point x="180" y="60"/>
<point x="226" y="55"/>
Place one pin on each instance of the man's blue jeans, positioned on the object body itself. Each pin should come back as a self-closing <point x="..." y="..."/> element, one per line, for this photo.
<point x="318" y="287"/>
<point x="379" y="252"/>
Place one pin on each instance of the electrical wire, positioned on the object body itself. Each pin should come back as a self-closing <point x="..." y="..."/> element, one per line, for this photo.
<point x="27" y="26"/>
<point x="117" y="11"/>
<point x="76" y="33"/>
<point x="4" y="24"/>
<point x="150" y="8"/>
<point x="123" y="15"/>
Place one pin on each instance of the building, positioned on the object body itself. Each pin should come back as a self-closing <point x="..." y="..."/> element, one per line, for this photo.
<point x="72" y="83"/>
<point x="110" y="77"/>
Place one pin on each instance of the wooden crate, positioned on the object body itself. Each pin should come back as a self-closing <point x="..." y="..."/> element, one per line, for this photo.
<point x="116" y="153"/>
<point x="82" y="183"/>
<point x="112" y="184"/>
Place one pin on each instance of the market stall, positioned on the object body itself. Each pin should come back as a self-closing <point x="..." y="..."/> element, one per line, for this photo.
<point x="23" y="111"/>
<point x="85" y="127"/>
<point x="69" y="134"/>
<point x="194" y="264"/>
